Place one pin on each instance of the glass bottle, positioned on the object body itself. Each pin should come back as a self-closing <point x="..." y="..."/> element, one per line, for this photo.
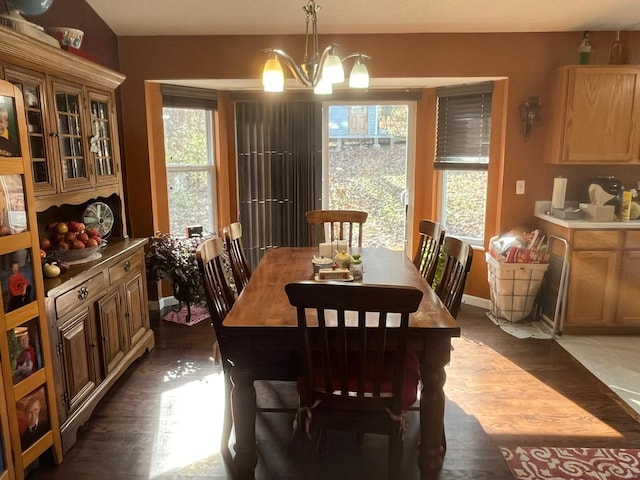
<point x="616" y="54"/>
<point x="584" y="50"/>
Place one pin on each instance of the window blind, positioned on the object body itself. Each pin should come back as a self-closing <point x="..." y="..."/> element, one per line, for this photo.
<point x="464" y="126"/>
<point x="189" y="97"/>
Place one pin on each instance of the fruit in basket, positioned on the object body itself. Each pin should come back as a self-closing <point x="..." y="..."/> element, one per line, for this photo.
<point x="70" y="235"/>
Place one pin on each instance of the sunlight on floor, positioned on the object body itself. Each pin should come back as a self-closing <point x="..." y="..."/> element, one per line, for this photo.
<point x="501" y="381"/>
<point x="187" y="432"/>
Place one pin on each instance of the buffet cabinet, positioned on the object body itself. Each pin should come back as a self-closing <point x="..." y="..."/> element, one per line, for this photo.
<point x="595" y="115"/>
<point x="99" y="325"/>
<point x="604" y="275"/>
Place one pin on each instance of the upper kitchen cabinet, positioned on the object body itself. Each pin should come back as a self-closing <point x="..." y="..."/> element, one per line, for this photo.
<point x="71" y="120"/>
<point x="595" y="116"/>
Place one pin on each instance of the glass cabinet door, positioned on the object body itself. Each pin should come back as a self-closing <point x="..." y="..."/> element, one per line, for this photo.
<point x="74" y="169"/>
<point x="32" y="87"/>
<point x="101" y="139"/>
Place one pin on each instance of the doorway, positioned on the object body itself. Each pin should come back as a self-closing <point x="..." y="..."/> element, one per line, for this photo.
<point x="367" y="163"/>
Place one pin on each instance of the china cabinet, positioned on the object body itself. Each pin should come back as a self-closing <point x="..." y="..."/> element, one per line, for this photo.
<point x="71" y="121"/>
<point x="97" y="312"/>
<point x="595" y="115"/>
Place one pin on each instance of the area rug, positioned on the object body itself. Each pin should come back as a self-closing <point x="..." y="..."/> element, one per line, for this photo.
<point x="198" y="314"/>
<point x="548" y="463"/>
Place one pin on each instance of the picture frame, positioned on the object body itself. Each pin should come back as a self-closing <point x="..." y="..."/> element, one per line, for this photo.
<point x="13" y="212"/>
<point x="33" y="417"/>
<point x="25" y="350"/>
<point x="9" y="135"/>
<point x="16" y="278"/>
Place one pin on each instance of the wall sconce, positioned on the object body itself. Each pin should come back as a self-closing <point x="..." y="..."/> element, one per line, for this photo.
<point x="530" y="111"/>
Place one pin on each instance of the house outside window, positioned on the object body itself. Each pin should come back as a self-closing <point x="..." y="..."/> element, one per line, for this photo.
<point x="462" y="158"/>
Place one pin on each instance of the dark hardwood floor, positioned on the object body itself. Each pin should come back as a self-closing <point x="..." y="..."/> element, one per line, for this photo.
<point x="163" y="418"/>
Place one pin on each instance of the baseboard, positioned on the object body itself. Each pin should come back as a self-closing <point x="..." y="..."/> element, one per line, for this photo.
<point x="477" y="301"/>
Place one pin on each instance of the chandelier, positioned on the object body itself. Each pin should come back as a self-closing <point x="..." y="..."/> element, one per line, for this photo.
<point x="320" y="70"/>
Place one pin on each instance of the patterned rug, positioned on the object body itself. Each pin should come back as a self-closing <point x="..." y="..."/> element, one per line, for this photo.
<point x="548" y="463"/>
<point x="198" y="314"/>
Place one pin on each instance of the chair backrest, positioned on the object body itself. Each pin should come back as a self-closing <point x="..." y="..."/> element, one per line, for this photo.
<point x="239" y="265"/>
<point x="328" y="225"/>
<point x="426" y="257"/>
<point x="217" y="292"/>
<point x="457" y="263"/>
<point x="347" y="355"/>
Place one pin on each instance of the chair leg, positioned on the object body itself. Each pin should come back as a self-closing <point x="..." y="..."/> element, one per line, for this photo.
<point x="227" y="422"/>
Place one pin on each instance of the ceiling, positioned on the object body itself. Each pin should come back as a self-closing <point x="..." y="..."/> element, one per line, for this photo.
<point x="245" y="17"/>
<point x="258" y="17"/>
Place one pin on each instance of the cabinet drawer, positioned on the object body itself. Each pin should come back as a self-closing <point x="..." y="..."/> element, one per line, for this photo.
<point x="80" y="295"/>
<point x="632" y="239"/>
<point x="590" y="239"/>
<point x="123" y="267"/>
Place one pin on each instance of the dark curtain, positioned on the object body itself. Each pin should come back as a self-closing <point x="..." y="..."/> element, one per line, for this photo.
<point x="279" y="164"/>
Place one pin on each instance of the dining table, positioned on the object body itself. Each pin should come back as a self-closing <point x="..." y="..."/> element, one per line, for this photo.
<point x="262" y="322"/>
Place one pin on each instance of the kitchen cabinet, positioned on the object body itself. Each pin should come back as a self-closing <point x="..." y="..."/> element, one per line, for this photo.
<point x="72" y="121"/>
<point x="604" y="271"/>
<point x="102" y="323"/>
<point x="595" y="115"/>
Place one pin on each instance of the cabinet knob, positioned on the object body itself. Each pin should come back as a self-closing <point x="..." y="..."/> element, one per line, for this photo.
<point x="54" y="134"/>
<point x="127" y="266"/>
<point x="83" y="293"/>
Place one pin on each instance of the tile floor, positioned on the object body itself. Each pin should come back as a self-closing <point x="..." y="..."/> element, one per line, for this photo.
<point x="615" y="360"/>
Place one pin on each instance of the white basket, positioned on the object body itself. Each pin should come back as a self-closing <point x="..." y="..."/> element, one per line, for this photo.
<point x="513" y="287"/>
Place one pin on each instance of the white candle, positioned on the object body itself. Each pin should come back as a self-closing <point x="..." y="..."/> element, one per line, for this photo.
<point x="342" y="246"/>
<point x="325" y="250"/>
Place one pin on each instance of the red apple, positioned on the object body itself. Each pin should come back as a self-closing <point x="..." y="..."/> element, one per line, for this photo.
<point x="78" y="245"/>
<point x="92" y="232"/>
<point x="92" y="242"/>
<point x="51" y="227"/>
<point x="45" y="244"/>
<point x="83" y="237"/>
<point x="70" y="237"/>
<point x="63" y="246"/>
<point x="56" y="238"/>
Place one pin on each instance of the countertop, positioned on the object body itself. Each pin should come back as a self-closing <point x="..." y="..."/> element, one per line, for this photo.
<point x="542" y="207"/>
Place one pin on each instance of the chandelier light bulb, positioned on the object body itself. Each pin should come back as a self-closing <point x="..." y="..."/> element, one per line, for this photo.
<point x="324" y="87"/>
<point x="273" y="76"/>
<point x="332" y="70"/>
<point x="359" y="77"/>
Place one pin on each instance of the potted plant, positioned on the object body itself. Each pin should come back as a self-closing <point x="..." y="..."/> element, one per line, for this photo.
<point x="173" y="259"/>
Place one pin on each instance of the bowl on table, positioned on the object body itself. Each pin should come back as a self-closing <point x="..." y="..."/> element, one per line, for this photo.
<point x="321" y="262"/>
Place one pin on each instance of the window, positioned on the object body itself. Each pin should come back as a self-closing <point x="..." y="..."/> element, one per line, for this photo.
<point x="189" y="158"/>
<point x="462" y="158"/>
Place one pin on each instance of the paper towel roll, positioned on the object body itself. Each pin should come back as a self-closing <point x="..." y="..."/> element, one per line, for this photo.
<point x="559" y="192"/>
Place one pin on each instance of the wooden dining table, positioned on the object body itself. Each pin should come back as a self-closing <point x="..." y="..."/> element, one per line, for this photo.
<point x="262" y="322"/>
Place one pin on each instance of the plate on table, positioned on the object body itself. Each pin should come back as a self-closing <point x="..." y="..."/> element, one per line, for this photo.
<point x="348" y="279"/>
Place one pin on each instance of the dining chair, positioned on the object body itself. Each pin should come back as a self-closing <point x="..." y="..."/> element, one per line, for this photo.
<point x="458" y="256"/>
<point x="356" y="374"/>
<point x="240" y="267"/>
<point x="329" y="225"/>
<point x="220" y="299"/>
<point x="426" y="257"/>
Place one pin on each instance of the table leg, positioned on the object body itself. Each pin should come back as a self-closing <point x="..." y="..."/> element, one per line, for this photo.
<point x="243" y="402"/>
<point x="432" y="440"/>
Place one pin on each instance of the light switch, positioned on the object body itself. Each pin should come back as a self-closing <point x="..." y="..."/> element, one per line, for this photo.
<point x="520" y="187"/>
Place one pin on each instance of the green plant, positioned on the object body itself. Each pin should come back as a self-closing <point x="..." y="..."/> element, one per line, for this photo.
<point x="173" y="258"/>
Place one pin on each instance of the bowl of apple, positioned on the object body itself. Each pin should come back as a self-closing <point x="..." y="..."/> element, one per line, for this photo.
<point x="70" y="241"/>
